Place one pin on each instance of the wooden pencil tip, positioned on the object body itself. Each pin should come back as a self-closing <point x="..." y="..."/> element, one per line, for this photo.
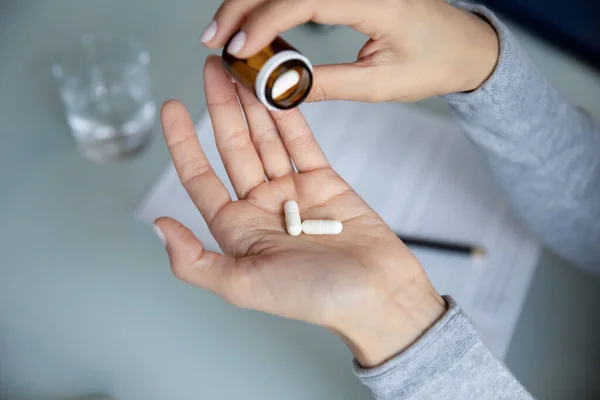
<point x="479" y="252"/>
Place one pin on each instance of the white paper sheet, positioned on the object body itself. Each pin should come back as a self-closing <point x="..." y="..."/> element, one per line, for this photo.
<point x="420" y="173"/>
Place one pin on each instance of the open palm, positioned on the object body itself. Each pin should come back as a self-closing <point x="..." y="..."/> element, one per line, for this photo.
<point x="325" y="280"/>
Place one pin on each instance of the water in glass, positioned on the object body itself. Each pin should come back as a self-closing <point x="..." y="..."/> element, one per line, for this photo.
<point x="105" y="88"/>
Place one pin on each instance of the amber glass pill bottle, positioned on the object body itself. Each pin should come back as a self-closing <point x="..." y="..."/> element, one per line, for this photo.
<point x="279" y="75"/>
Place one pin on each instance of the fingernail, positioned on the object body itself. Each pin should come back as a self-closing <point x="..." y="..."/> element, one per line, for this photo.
<point x="209" y="32"/>
<point x="160" y="234"/>
<point x="237" y="43"/>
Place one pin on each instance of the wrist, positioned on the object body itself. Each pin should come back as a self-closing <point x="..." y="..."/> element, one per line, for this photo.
<point x="480" y="54"/>
<point x="397" y="323"/>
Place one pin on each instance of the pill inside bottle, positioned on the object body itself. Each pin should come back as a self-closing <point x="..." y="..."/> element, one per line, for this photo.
<point x="279" y="75"/>
<point x="285" y="83"/>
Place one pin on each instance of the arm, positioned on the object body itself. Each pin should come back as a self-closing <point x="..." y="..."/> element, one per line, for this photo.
<point x="546" y="155"/>
<point x="448" y="362"/>
<point x="544" y="152"/>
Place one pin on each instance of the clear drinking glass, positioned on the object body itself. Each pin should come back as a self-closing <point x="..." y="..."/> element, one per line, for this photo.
<point x="105" y="87"/>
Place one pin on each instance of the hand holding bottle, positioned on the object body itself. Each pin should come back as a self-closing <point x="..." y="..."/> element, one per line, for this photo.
<point x="416" y="49"/>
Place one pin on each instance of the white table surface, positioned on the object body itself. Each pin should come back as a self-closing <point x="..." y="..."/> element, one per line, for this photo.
<point x="87" y="301"/>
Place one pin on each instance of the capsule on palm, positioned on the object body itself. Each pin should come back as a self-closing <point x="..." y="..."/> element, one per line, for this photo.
<point x="321" y="227"/>
<point x="293" y="222"/>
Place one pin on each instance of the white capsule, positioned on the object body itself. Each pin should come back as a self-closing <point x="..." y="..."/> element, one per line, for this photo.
<point x="321" y="227"/>
<point x="285" y="82"/>
<point x="293" y="223"/>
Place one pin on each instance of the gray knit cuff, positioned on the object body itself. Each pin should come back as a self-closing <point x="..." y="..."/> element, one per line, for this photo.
<point x="444" y="344"/>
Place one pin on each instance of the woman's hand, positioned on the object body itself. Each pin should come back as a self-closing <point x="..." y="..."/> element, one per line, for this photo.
<point x="363" y="284"/>
<point x="416" y="48"/>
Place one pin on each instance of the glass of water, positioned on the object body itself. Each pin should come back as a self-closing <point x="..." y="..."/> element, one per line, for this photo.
<point x="105" y="87"/>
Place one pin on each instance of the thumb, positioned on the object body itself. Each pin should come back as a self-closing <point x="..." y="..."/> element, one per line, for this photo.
<point x="343" y="82"/>
<point x="190" y="262"/>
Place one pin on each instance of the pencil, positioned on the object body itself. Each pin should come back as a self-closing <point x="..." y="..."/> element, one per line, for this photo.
<point x="452" y="247"/>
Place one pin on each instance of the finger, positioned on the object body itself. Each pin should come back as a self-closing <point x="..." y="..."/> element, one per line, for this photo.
<point x="197" y="176"/>
<point x="343" y="82"/>
<point x="300" y="141"/>
<point x="228" y="19"/>
<point x="265" y="136"/>
<point x="268" y="19"/>
<point x="239" y="156"/>
<point x="189" y="260"/>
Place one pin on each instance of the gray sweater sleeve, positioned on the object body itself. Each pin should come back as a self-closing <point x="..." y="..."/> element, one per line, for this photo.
<point x="545" y="153"/>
